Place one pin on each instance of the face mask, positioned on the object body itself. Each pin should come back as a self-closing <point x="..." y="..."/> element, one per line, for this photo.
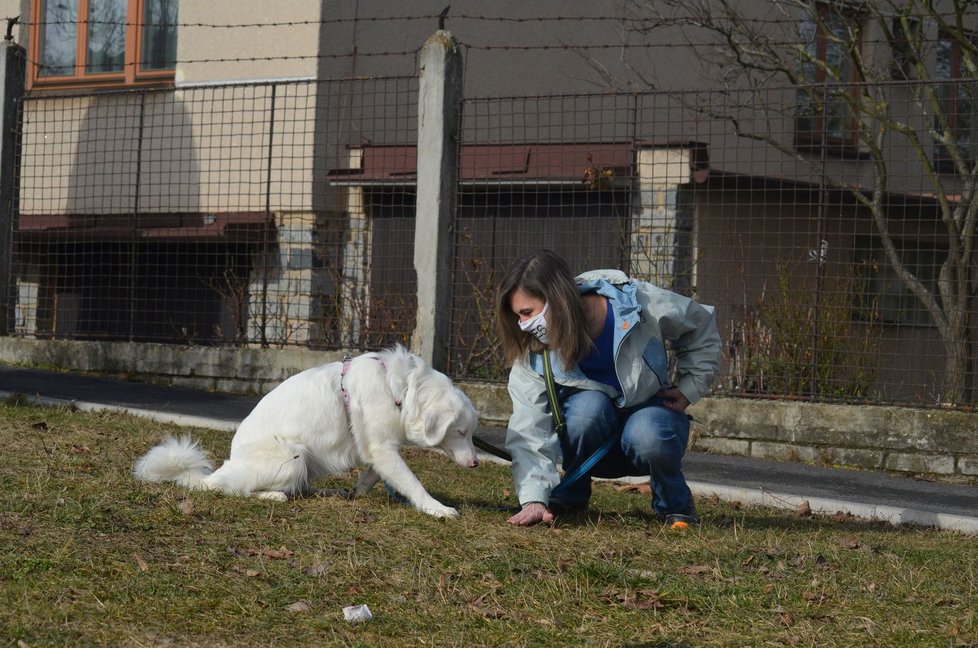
<point x="537" y="325"/>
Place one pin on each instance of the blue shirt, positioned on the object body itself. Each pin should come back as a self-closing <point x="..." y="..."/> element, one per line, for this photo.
<point x="599" y="365"/>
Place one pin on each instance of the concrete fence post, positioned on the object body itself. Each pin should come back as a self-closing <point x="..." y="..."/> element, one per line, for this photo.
<point x="439" y="105"/>
<point x="12" y="67"/>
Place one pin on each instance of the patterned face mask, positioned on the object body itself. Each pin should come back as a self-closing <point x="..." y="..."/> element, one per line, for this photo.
<point x="537" y="325"/>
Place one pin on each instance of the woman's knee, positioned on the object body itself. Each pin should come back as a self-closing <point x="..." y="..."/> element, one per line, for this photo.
<point x="590" y="411"/>
<point x="656" y="434"/>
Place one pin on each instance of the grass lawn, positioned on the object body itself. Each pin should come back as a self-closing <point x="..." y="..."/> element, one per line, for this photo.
<point x="90" y="557"/>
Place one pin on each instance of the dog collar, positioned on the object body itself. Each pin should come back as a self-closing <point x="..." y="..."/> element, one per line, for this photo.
<point x="346" y="367"/>
<point x="346" y="394"/>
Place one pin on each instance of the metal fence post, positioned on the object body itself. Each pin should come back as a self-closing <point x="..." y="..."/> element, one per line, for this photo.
<point x="439" y="105"/>
<point x="12" y="67"/>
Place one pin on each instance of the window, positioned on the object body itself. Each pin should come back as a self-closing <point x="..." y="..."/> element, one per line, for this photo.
<point x="956" y="94"/>
<point x="906" y="36"/>
<point x="885" y="297"/>
<point x="825" y="114"/>
<point x="103" y="42"/>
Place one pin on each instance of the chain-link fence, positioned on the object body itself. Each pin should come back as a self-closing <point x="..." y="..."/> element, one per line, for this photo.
<point x="209" y="215"/>
<point x="840" y="269"/>
<point x="283" y="214"/>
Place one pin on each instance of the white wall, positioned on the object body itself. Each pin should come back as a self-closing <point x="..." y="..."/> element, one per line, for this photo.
<point x="198" y="47"/>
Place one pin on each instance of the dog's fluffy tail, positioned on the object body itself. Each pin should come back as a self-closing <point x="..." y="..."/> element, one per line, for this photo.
<point x="179" y="460"/>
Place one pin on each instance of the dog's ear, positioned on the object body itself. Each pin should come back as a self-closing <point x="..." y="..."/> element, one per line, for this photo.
<point x="436" y="424"/>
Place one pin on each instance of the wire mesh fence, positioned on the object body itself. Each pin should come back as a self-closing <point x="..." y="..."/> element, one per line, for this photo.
<point x="205" y="216"/>
<point x="829" y="261"/>
<point x="283" y="214"/>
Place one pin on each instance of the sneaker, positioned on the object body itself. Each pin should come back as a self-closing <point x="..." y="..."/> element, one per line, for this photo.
<point x="683" y="520"/>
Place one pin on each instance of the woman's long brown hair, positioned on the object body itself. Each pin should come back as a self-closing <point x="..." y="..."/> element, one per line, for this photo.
<point x="543" y="275"/>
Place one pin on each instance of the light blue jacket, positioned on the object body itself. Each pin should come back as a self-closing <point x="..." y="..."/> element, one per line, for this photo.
<point x="645" y="316"/>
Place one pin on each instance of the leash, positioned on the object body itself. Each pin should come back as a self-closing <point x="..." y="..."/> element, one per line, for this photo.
<point x="485" y="446"/>
<point x="560" y="427"/>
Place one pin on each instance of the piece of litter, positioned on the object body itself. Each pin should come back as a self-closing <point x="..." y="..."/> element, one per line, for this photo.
<point x="357" y="613"/>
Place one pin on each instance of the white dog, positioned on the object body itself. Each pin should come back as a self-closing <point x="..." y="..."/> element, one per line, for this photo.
<point x="325" y="421"/>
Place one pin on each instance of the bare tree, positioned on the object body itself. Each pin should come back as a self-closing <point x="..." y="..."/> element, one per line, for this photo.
<point x="844" y="63"/>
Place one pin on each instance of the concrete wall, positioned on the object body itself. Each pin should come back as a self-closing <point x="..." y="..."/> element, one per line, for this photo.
<point x="937" y="444"/>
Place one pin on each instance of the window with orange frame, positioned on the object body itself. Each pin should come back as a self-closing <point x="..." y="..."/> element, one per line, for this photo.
<point x="102" y="43"/>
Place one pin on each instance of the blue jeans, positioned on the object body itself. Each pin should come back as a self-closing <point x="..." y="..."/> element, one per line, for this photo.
<point x="653" y="442"/>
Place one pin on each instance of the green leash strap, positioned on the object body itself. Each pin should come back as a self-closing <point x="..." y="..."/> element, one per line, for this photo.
<point x="552" y="395"/>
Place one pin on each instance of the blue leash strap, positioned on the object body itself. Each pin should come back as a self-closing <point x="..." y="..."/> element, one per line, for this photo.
<point x="394" y="495"/>
<point x="583" y="469"/>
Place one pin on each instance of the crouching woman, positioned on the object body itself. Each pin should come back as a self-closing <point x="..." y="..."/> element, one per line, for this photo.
<point x="604" y="338"/>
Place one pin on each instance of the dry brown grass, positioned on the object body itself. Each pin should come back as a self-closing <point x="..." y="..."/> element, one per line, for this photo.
<point x="91" y="557"/>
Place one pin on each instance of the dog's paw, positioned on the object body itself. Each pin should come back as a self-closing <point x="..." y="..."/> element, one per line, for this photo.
<point x="275" y="496"/>
<point x="440" y="510"/>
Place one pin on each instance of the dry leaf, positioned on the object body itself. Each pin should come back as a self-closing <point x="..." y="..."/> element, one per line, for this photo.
<point x="804" y="509"/>
<point x="815" y="597"/>
<point x="278" y="554"/>
<point x="187" y="507"/>
<point x="318" y="569"/>
<point x="143" y="565"/>
<point x="487" y="609"/>
<point x="80" y="449"/>
<point x="250" y="573"/>
<point x="696" y="570"/>
<point x="274" y="554"/>
<point x="645" y="599"/>
<point x="300" y="607"/>
<point x="641" y="489"/>
<point x="849" y="542"/>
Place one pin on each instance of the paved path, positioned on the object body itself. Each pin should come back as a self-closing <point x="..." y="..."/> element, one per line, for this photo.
<point x="869" y="495"/>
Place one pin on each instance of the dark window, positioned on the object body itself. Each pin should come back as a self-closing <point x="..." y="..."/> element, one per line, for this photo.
<point x="956" y="94"/>
<point x="906" y="38"/>
<point x="886" y="297"/>
<point x="826" y="98"/>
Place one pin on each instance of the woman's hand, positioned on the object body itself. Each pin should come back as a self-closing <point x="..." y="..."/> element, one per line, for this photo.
<point x="532" y="513"/>
<point x="673" y="399"/>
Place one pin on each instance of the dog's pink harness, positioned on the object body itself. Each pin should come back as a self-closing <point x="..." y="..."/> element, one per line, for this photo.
<point x="346" y="367"/>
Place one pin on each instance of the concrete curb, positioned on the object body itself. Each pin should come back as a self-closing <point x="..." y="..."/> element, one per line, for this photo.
<point x="183" y="420"/>
<point x="829" y="506"/>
